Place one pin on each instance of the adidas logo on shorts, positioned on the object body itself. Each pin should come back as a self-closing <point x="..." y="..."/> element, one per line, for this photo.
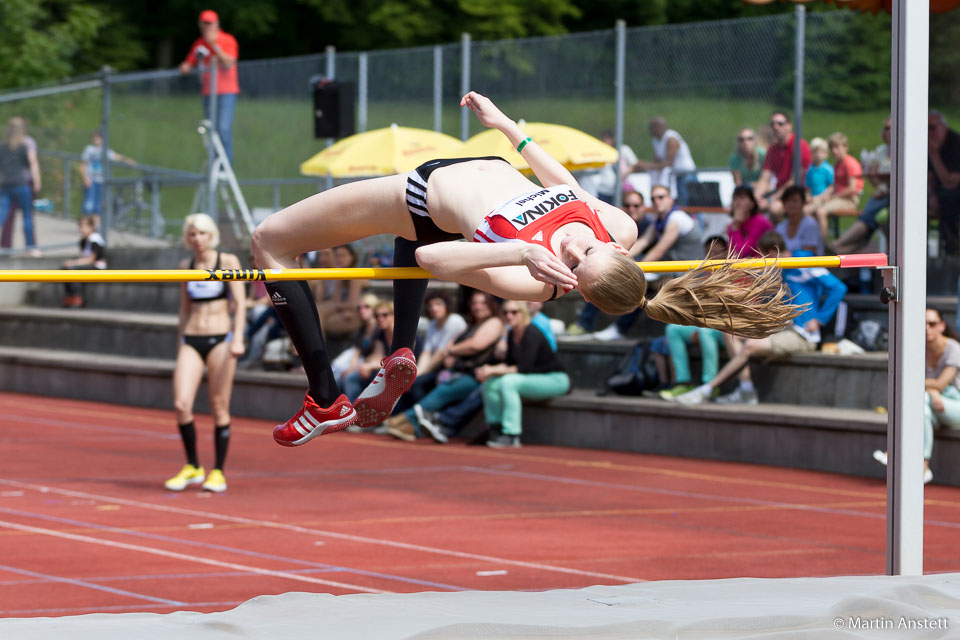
<point x="276" y="298"/>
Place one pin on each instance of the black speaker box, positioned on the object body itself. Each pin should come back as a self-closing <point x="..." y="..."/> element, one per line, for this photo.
<point x="333" y="110"/>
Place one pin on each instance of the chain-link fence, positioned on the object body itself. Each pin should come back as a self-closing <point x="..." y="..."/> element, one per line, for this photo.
<point x="707" y="79"/>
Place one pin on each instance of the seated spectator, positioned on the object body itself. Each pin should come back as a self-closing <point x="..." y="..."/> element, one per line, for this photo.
<point x="819" y="177"/>
<point x="453" y="418"/>
<point x="672" y="165"/>
<point x="877" y="170"/>
<point x="944" y="169"/>
<point x="679" y="337"/>
<point x="746" y="162"/>
<point x="603" y="183"/>
<point x="817" y="288"/>
<point x="942" y="383"/>
<point x="338" y="310"/>
<point x="92" y="256"/>
<point x="355" y="382"/>
<point x="801" y="232"/>
<point x="778" y="166"/>
<point x="443" y="328"/>
<point x="531" y="370"/>
<point x="364" y="342"/>
<point x="748" y="223"/>
<point x="844" y="195"/>
<point x="674" y="235"/>
<point x="587" y="318"/>
<point x="263" y="324"/>
<point x="471" y="349"/>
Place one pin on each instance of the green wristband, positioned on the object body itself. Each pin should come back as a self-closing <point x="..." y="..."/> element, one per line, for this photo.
<point x="523" y="144"/>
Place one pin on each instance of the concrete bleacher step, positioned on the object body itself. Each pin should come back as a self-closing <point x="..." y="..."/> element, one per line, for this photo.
<point x="828" y="439"/>
<point x="803" y="379"/>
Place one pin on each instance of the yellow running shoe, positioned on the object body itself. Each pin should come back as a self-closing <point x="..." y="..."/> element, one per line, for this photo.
<point x="187" y="476"/>
<point x="215" y="482"/>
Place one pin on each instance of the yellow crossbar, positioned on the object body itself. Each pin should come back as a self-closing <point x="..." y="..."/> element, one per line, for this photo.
<point x="384" y="273"/>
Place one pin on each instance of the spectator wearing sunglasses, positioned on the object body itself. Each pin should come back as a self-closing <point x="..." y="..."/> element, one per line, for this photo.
<point x="778" y="170"/>
<point x="746" y="161"/>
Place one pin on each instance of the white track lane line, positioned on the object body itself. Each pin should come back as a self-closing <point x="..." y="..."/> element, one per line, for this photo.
<point x="320" y="532"/>
<point x="45" y="578"/>
<point x="186" y="557"/>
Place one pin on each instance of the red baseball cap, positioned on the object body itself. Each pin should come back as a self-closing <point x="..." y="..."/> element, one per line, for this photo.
<point x="209" y="16"/>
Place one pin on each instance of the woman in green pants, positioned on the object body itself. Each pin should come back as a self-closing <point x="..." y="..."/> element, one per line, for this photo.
<point x="532" y="370"/>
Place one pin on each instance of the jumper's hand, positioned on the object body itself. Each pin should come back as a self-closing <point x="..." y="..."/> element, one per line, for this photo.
<point x="487" y="113"/>
<point x="546" y="267"/>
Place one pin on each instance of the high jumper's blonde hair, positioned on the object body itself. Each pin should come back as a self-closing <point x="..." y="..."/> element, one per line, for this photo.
<point x="744" y="302"/>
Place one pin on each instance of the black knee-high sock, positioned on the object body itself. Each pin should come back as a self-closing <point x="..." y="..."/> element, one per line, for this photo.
<point x="294" y="304"/>
<point x="221" y="440"/>
<point x="188" y="433"/>
<point x="407" y="296"/>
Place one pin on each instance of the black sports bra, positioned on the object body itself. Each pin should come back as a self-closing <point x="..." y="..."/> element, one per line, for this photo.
<point x="206" y="290"/>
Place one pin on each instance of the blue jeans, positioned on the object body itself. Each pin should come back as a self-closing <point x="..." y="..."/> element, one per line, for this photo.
<point x="444" y="394"/>
<point x="22" y="195"/>
<point x="683" y="193"/>
<point x="870" y="210"/>
<point x="226" y="105"/>
<point x="588" y="318"/>
<point x="93" y="198"/>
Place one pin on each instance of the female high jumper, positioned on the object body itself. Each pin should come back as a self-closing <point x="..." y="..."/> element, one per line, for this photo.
<point x="529" y="242"/>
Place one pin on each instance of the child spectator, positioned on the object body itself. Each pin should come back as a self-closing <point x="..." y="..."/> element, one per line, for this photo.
<point x="91" y="170"/>
<point x="92" y="256"/>
<point x="819" y="176"/>
<point x="816" y="288"/>
<point x="847" y="183"/>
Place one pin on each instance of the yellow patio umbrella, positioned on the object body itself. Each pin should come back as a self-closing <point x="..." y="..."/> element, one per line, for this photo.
<point x="573" y="148"/>
<point x="381" y="152"/>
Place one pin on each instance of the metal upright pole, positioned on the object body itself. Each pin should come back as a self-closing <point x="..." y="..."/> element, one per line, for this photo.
<point x="910" y="43"/>
<point x="464" y="84"/>
<point x="105" y="156"/>
<point x="362" y="90"/>
<point x="801" y="13"/>
<point x="438" y="88"/>
<point x="618" y="86"/>
<point x="331" y="60"/>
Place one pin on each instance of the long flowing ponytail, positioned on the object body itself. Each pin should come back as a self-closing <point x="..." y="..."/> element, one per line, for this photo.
<point x="744" y="302"/>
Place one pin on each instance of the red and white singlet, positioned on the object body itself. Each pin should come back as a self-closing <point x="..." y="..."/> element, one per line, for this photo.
<point x="534" y="217"/>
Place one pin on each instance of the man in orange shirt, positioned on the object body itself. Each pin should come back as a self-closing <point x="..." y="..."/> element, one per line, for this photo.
<point x="216" y="45"/>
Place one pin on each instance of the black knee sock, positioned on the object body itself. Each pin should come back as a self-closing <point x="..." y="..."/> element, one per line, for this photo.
<point x="188" y="433"/>
<point x="297" y="310"/>
<point x="407" y="297"/>
<point x="221" y="440"/>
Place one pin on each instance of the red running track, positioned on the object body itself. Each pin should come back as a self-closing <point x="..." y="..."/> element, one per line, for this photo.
<point x="86" y="526"/>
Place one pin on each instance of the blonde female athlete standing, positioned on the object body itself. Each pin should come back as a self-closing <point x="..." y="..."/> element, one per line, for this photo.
<point x="211" y="336"/>
<point x="530" y="242"/>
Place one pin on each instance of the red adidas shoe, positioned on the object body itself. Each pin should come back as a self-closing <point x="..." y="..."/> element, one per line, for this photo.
<point x="376" y="403"/>
<point x="312" y="421"/>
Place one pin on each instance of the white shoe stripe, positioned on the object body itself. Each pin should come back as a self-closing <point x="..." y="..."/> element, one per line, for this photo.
<point x="310" y="422"/>
<point x="303" y="427"/>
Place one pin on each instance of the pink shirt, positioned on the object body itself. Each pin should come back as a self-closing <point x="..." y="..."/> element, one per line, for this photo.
<point x="743" y="241"/>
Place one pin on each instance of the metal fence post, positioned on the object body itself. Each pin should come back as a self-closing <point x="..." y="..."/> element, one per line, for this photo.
<point x="66" y="187"/>
<point x="107" y="195"/>
<point x="801" y="13"/>
<point x="618" y="86"/>
<point x="362" y="91"/>
<point x="330" y="54"/>
<point x="437" y="88"/>
<point x="464" y="84"/>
